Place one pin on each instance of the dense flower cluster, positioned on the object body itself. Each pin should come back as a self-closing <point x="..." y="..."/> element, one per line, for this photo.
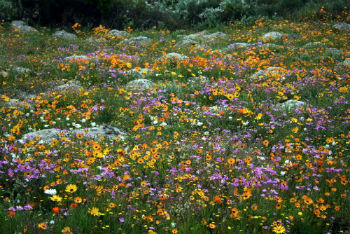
<point x="228" y="139"/>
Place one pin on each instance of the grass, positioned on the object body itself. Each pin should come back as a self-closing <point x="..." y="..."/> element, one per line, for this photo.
<point x="217" y="155"/>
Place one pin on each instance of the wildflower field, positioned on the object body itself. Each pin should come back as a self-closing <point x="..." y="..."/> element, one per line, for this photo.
<point x="240" y="129"/>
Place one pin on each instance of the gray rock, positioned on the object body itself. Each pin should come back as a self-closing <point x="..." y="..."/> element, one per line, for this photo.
<point x="70" y="85"/>
<point x="342" y="26"/>
<point x="290" y="105"/>
<point x="270" y="46"/>
<point x="17" y="103"/>
<point x="237" y="45"/>
<point x="64" y="35"/>
<point x="197" y="80"/>
<point x="346" y="62"/>
<point x="117" y="33"/>
<point x="46" y="135"/>
<point x="272" y="35"/>
<point x="106" y="131"/>
<point x="334" y="53"/>
<point x="142" y="73"/>
<point x="215" y="35"/>
<point x="314" y="44"/>
<point x="140" y="84"/>
<point x="204" y="35"/>
<point x="175" y="56"/>
<point x="196" y="36"/>
<point x="77" y="57"/>
<point x="186" y="42"/>
<point x="21" y="69"/>
<point x="271" y="71"/>
<point x="3" y="73"/>
<point x="137" y="41"/>
<point x="18" y="23"/>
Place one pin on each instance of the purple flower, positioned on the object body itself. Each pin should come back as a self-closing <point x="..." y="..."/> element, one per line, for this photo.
<point x="121" y="219"/>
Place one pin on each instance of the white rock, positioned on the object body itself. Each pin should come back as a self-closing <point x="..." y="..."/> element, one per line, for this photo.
<point x="272" y="35"/>
<point x="46" y="135"/>
<point x="140" y="84"/>
<point x="334" y="52"/>
<point x="175" y="56"/>
<point x="290" y="105"/>
<point x="70" y="85"/>
<point x="186" y="42"/>
<point x="194" y="36"/>
<point x="77" y="57"/>
<point x="21" y="69"/>
<point x="237" y="45"/>
<point x="314" y="44"/>
<point x="103" y="130"/>
<point x="346" y="62"/>
<point x="64" y="35"/>
<point x="117" y="33"/>
<point x="342" y="26"/>
<point x="137" y="41"/>
<point x="3" y="73"/>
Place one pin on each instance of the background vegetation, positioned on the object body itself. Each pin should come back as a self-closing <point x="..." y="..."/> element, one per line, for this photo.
<point x="165" y="13"/>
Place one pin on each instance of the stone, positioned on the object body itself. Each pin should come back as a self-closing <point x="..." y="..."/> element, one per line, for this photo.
<point x="186" y="42"/>
<point x="276" y="72"/>
<point x="346" y="62"/>
<point x="3" y="73"/>
<point x="342" y="26"/>
<point x="46" y="135"/>
<point x="77" y="58"/>
<point x="137" y="41"/>
<point x="197" y="80"/>
<point x="238" y="45"/>
<point x="314" y="44"/>
<point x="176" y="56"/>
<point x="17" y="103"/>
<point x="22" y="26"/>
<point x="140" y="84"/>
<point x="65" y="35"/>
<point x="334" y="53"/>
<point x="21" y="69"/>
<point x="70" y="85"/>
<point x="141" y="73"/>
<point x="106" y="131"/>
<point x="117" y="33"/>
<point x="196" y="36"/>
<point x="290" y="105"/>
<point x="215" y="35"/>
<point x="270" y="46"/>
<point x="272" y="36"/>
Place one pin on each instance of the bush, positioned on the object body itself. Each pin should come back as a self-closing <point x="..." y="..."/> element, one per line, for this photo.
<point x="8" y="10"/>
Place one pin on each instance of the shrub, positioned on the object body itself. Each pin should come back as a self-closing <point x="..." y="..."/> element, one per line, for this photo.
<point x="8" y="10"/>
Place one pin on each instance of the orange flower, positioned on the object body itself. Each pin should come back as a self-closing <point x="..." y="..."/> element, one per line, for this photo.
<point x="266" y="143"/>
<point x="11" y="214"/>
<point x="56" y="210"/>
<point x="217" y="199"/>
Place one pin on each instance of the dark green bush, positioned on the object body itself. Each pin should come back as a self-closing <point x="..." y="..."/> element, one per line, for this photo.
<point x="168" y="13"/>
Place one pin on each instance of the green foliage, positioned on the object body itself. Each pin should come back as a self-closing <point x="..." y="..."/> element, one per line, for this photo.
<point x="7" y="9"/>
<point x="171" y="14"/>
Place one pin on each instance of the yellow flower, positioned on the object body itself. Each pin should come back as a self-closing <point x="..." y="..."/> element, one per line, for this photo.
<point x="42" y="226"/>
<point x="71" y="188"/>
<point x="78" y="200"/>
<point x="279" y="229"/>
<point x="212" y="225"/>
<point x="67" y="230"/>
<point x="56" y="198"/>
<point x="95" y="211"/>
